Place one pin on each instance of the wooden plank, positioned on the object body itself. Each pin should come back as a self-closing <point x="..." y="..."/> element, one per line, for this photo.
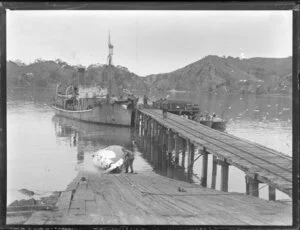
<point x="30" y="208"/>
<point x="39" y="218"/>
<point x="148" y="198"/>
<point x="64" y="201"/>
<point x="232" y="138"/>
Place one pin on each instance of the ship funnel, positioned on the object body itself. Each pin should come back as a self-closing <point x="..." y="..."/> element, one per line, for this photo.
<point x="81" y="76"/>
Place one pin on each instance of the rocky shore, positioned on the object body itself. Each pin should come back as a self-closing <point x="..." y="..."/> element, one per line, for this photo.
<point x="19" y="211"/>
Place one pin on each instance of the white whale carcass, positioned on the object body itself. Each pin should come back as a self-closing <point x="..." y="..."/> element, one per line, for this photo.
<point x="110" y="158"/>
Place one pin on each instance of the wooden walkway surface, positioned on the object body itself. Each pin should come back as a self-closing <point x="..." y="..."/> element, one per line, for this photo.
<point x="148" y="198"/>
<point x="258" y="162"/>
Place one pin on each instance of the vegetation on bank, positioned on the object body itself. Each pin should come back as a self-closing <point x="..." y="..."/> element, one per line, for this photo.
<point x="210" y="74"/>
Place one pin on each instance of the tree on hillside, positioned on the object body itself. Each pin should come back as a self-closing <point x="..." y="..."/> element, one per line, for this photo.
<point x="38" y="60"/>
<point x="19" y="62"/>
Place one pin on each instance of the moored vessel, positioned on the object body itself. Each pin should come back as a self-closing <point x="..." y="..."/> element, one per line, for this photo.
<point x="95" y="103"/>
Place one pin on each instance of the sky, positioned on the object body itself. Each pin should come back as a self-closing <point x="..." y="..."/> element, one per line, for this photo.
<point x="147" y="42"/>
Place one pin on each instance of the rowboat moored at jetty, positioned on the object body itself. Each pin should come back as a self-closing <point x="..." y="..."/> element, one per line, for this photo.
<point x="207" y="123"/>
<point x="191" y="111"/>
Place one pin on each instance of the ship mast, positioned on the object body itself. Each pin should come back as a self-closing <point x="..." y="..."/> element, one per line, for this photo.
<point x="109" y="62"/>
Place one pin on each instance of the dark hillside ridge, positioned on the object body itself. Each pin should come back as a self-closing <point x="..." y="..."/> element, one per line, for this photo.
<point x="209" y="74"/>
<point x="219" y="74"/>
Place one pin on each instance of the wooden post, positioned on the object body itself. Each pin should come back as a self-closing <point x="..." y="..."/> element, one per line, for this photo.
<point x="144" y="132"/>
<point x="135" y="118"/>
<point x="253" y="186"/>
<point x="272" y="193"/>
<point x="147" y="138"/>
<point x="192" y="147"/>
<point x="224" y="176"/>
<point x="146" y="135"/>
<point x="176" y="150"/>
<point x="137" y="114"/>
<point x="214" y="172"/>
<point x="247" y="185"/>
<point x="159" y="144"/>
<point x="156" y="132"/>
<point x="139" y="120"/>
<point x="170" y="134"/>
<point x="169" y="165"/>
<point x="157" y="148"/>
<point x="163" y="148"/>
<point x="204" y="167"/>
<point x="151" y="140"/>
<point x="183" y="141"/>
<point x="142" y="125"/>
<point x="168" y="147"/>
<point x="189" y="159"/>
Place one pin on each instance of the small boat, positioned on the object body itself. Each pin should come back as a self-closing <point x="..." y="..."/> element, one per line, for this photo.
<point x="218" y="123"/>
<point x="213" y="122"/>
<point x="110" y="158"/>
<point x="206" y="123"/>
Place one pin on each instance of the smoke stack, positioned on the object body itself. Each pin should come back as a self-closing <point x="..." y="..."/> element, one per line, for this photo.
<point x="81" y="76"/>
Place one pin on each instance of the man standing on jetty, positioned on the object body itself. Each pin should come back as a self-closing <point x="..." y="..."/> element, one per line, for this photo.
<point x="145" y="101"/>
<point x="129" y="157"/>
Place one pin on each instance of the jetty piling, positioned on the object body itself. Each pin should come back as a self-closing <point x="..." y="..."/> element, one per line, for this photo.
<point x="183" y="141"/>
<point x="176" y="139"/>
<point x="224" y="176"/>
<point x="272" y="193"/>
<point x="214" y="172"/>
<point x="204" y="155"/>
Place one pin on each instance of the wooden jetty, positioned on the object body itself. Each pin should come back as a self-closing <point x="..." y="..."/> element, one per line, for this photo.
<point x="147" y="198"/>
<point x="175" y="134"/>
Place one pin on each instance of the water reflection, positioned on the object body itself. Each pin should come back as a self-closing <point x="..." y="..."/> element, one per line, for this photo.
<point x="88" y="137"/>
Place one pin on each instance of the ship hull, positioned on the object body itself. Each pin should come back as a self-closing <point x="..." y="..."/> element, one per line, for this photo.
<point x="113" y="114"/>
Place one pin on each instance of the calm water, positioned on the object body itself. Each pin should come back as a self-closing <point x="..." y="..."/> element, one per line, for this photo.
<point x="46" y="152"/>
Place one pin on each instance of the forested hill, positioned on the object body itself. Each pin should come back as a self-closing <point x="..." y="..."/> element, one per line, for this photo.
<point x="212" y="74"/>
<point x="50" y="73"/>
<point x="220" y="74"/>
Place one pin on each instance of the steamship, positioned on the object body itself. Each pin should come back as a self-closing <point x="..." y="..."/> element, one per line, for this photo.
<point x="96" y="104"/>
